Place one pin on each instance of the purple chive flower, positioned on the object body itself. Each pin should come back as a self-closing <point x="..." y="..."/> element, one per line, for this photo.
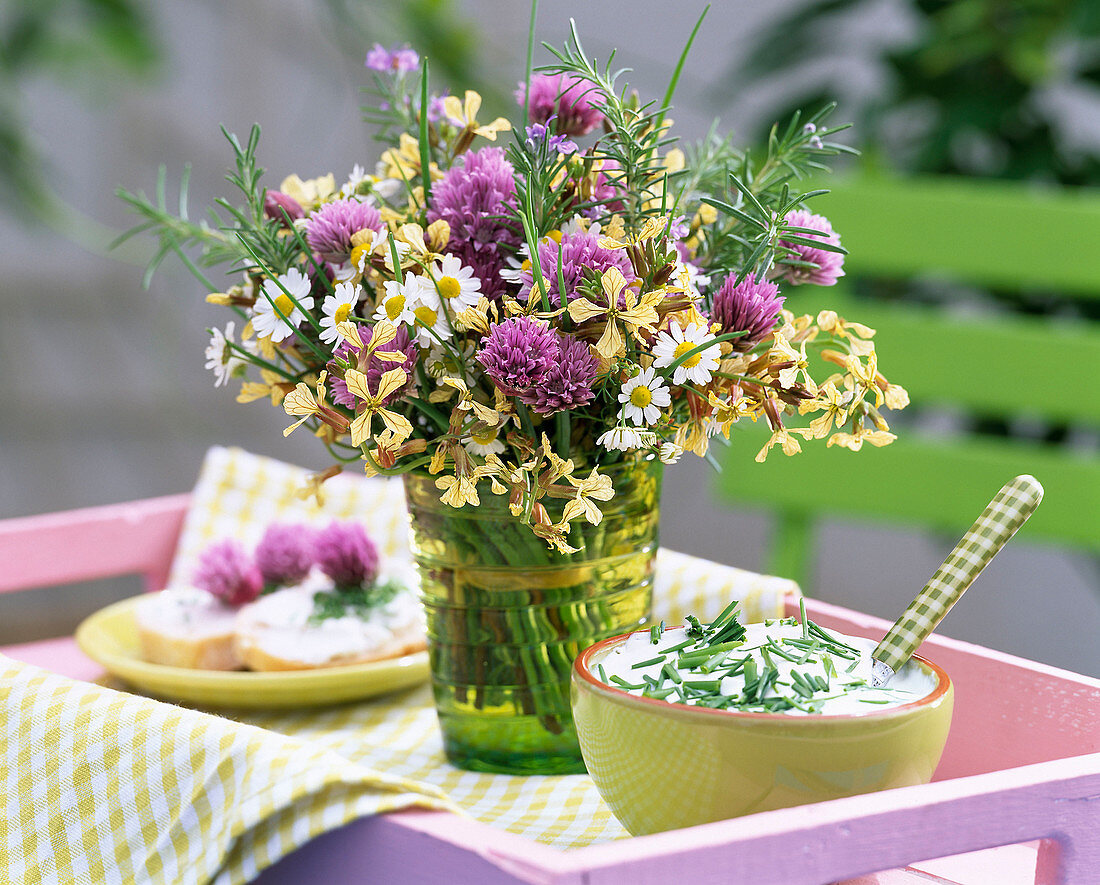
<point x="567" y="384"/>
<point x="226" y="571"/>
<point x="437" y="109"/>
<point x="518" y="353"/>
<point x="566" y="98"/>
<point x="375" y="368"/>
<point x="475" y="199"/>
<point x="538" y="134"/>
<point x="579" y="251"/>
<point x="345" y="553"/>
<point x="749" y="306"/>
<point x="285" y="554"/>
<point x="822" y="267"/>
<point x="399" y="61"/>
<point x="329" y="229"/>
<point x="279" y="206"/>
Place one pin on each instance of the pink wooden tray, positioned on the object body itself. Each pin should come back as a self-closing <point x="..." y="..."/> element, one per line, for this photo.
<point x="1020" y="774"/>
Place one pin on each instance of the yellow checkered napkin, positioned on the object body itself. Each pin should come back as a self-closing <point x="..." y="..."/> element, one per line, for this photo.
<point x="105" y="787"/>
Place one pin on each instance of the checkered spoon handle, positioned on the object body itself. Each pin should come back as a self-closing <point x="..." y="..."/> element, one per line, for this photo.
<point x="999" y="521"/>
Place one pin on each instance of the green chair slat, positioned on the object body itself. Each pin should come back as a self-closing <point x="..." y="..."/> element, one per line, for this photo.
<point x="987" y="233"/>
<point x="998" y="235"/>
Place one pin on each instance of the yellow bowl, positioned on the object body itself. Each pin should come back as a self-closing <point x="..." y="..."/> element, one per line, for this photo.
<point x="663" y="766"/>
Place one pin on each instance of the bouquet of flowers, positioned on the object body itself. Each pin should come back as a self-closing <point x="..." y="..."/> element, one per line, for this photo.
<point x="531" y="303"/>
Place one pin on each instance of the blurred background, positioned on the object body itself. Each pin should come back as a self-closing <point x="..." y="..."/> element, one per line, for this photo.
<point x="104" y="395"/>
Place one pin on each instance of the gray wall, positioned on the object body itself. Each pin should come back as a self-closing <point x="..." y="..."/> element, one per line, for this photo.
<point x="105" y="398"/>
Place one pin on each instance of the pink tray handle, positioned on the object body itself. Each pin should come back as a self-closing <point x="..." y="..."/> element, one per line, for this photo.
<point x="138" y="537"/>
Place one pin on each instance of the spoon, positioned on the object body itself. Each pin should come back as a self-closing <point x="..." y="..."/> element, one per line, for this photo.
<point x="1008" y="510"/>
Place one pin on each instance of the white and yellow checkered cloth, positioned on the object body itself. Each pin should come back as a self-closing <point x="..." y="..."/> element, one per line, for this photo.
<point x="105" y="785"/>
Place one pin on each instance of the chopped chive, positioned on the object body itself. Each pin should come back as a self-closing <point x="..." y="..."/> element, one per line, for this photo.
<point x="822" y="682"/>
<point x="852" y="666"/>
<point x="602" y="673"/>
<point x="698" y="655"/>
<point x="660" y="659"/>
<point x="669" y="670"/>
<point x="828" y="637"/>
<point x="802" y="613"/>
<point x="728" y="631"/>
<point x="705" y="684"/>
<point x="680" y="646"/>
<point x="829" y="667"/>
<point x="775" y="649"/>
<point x="658" y="693"/>
<point x="728" y="610"/>
<point x="622" y="683"/>
<point x="874" y="701"/>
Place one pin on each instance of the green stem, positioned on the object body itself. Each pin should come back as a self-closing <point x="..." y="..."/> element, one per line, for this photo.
<point x="425" y="146"/>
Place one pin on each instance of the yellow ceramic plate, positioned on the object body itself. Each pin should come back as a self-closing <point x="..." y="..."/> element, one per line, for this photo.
<point x="109" y="637"/>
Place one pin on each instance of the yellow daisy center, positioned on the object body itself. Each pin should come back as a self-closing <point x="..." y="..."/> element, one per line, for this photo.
<point x="357" y="256"/>
<point x="426" y="316"/>
<point x="641" y="396"/>
<point x="284" y="305"/>
<point x="485" y="437"/>
<point x="682" y="348"/>
<point x="342" y="313"/>
<point x="395" y="304"/>
<point x="449" y="287"/>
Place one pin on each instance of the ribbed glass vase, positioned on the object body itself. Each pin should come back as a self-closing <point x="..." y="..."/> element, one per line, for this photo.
<point x="506" y="615"/>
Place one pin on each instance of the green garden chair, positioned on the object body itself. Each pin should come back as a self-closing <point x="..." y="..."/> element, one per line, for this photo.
<point x="1002" y="367"/>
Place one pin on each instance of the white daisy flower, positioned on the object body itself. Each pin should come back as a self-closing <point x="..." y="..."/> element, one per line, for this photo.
<point x="266" y="321"/>
<point x="398" y="301"/>
<point x="622" y="438"/>
<point x="484" y="443"/>
<point x="671" y="345"/>
<point x="430" y="319"/>
<point x="669" y="452"/>
<point x="358" y="183"/>
<point x="454" y="283"/>
<point x="221" y="359"/>
<point x="443" y="361"/>
<point x="643" y="397"/>
<point x="336" y="309"/>
<point x="516" y="265"/>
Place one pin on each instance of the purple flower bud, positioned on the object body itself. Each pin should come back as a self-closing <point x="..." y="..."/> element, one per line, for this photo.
<point x="345" y="553"/>
<point x="285" y="554"/>
<point x="568" y="382"/>
<point x="822" y="267"/>
<point x="517" y="353"/>
<point x="749" y="306"/>
<point x="280" y="207"/>
<point x="566" y="98"/>
<point x="329" y="229"/>
<point x="398" y="61"/>
<point x="226" y="571"/>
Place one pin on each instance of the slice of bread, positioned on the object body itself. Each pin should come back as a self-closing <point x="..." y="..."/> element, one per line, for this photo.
<point x="187" y="627"/>
<point x="276" y="632"/>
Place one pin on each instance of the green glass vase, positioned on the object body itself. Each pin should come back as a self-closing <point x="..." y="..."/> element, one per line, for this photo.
<point x="506" y="616"/>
